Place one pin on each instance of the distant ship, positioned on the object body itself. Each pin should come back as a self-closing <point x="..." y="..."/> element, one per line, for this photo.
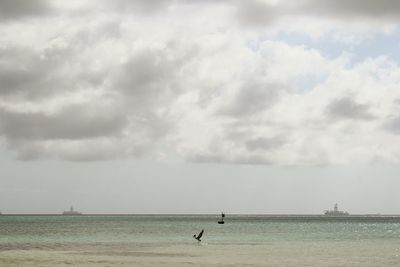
<point x="71" y="211"/>
<point x="221" y="221"/>
<point x="335" y="212"/>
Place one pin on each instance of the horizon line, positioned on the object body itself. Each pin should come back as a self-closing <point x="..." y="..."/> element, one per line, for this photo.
<point x="202" y="214"/>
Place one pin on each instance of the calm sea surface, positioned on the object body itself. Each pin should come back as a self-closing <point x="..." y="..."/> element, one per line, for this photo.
<point x="167" y="241"/>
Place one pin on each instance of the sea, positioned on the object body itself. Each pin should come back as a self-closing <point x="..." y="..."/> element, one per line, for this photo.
<point x="167" y="240"/>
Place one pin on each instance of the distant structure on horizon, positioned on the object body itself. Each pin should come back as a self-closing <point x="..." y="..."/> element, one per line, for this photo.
<point x="71" y="211"/>
<point x="335" y="212"/>
<point x="221" y="221"/>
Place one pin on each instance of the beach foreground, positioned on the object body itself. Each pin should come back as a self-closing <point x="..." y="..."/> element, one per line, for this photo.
<point x="339" y="253"/>
<point x="111" y="241"/>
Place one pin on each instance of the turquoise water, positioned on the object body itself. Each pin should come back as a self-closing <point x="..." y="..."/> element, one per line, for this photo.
<point x="167" y="241"/>
<point x="156" y="230"/>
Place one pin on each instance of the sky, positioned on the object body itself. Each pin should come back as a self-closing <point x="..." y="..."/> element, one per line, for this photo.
<point x="199" y="106"/>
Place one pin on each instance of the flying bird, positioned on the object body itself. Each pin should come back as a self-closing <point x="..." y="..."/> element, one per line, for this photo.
<point x="199" y="235"/>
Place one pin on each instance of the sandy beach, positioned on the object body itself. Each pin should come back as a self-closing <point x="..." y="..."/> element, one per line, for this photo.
<point x="312" y="253"/>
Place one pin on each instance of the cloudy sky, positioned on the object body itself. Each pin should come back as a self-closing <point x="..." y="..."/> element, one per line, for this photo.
<point x="198" y="106"/>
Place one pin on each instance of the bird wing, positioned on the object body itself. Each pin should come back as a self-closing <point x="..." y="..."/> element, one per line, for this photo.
<point x="200" y="234"/>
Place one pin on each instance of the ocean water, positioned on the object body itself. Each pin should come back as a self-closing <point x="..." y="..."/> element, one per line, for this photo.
<point x="167" y="241"/>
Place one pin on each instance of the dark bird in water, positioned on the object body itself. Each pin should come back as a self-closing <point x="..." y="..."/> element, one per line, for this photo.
<point x="199" y="235"/>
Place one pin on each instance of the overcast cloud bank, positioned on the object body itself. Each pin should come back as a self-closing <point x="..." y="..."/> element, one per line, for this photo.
<point x="204" y="81"/>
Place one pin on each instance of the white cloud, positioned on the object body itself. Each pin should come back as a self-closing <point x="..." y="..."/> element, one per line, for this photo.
<point x="183" y="81"/>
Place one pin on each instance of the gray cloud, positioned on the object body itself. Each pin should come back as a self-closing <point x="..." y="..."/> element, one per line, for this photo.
<point x="343" y="8"/>
<point x="392" y="122"/>
<point x="160" y="75"/>
<point x="144" y="74"/>
<point x="21" y="71"/>
<point x="256" y="13"/>
<point x="149" y="82"/>
<point x="145" y="87"/>
<point x="151" y="77"/>
<point x="251" y="99"/>
<point x="259" y="13"/>
<point x="139" y="6"/>
<point x="347" y="108"/>
<point x="393" y="125"/>
<point x="147" y="7"/>
<point x="82" y="133"/>
<point x="26" y="73"/>
<point x="265" y="143"/>
<point x="58" y="67"/>
<point x="13" y="9"/>
<point x="251" y="12"/>
<point x="72" y="122"/>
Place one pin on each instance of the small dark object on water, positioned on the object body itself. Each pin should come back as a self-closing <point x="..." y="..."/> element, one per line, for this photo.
<point x="221" y="221"/>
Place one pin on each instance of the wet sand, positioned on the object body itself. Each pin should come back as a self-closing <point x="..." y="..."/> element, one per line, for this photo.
<point x="315" y="253"/>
